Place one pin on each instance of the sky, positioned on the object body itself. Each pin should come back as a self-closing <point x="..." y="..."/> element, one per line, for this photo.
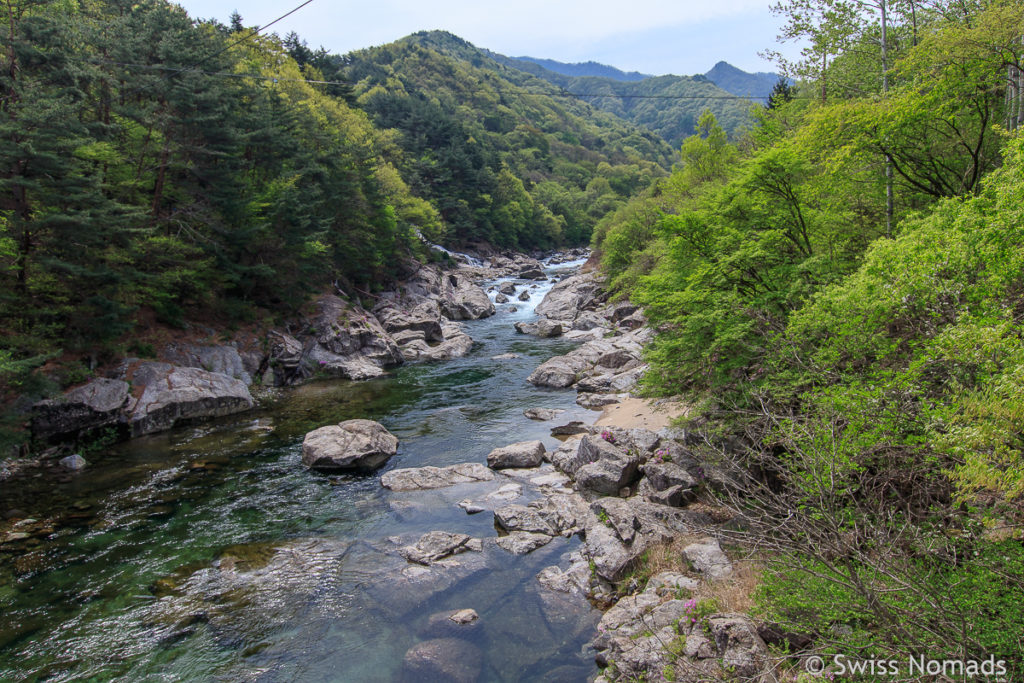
<point x="656" y="37"/>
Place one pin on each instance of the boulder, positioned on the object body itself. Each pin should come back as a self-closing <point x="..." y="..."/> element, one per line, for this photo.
<point x="522" y="454"/>
<point x="708" y="559"/>
<point x="524" y="295"/>
<point x="500" y="299"/>
<point x="555" y="372"/>
<point x="171" y="394"/>
<point x="359" y="445"/>
<point x="345" y="330"/>
<point x="543" y="414"/>
<point x="507" y="288"/>
<point x="567" y="299"/>
<point x="90" y="407"/>
<point x="424" y="318"/>
<point x="437" y="545"/>
<point x="73" y="463"/>
<point x="597" y="400"/>
<point x="442" y="659"/>
<point x="523" y="542"/>
<point x="542" y="328"/>
<point x="422" y="478"/>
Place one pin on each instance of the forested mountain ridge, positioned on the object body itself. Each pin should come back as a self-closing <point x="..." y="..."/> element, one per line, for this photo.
<point x="575" y="70"/>
<point x="505" y="159"/>
<point x="668" y="105"/>
<point x="756" y="85"/>
<point x="838" y="294"/>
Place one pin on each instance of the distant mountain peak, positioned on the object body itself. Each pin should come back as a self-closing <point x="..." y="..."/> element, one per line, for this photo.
<point x="739" y="82"/>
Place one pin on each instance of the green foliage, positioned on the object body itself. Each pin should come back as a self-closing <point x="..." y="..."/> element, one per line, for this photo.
<point x="136" y="184"/>
<point x="979" y="593"/>
<point x="503" y="162"/>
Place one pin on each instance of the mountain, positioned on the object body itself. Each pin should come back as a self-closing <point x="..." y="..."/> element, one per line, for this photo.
<point x="581" y="69"/>
<point x="666" y="105"/>
<point x="504" y="156"/>
<point x="738" y="82"/>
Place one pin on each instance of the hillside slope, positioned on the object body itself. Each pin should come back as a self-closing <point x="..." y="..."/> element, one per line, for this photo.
<point x="503" y="159"/>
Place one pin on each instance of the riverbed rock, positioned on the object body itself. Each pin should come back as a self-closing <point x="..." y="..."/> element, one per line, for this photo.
<point x="358" y="445"/>
<point x="567" y="299"/>
<point x="171" y="394"/>
<point x="500" y="298"/>
<point x="437" y="545"/>
<point x="507" y="288"/>
<point x="455" y="344"/>
<point x="422" y="478"/>
<point x="93" y="406"/>
<point x="523" y="542"/>
<point x="442" y="659"/>
<point x="424" y="318"/>
<point x="541" y="328"/>
<point x="522" y="454"/>
<point x="543" y="414"/>
<point x="73" y="463"/>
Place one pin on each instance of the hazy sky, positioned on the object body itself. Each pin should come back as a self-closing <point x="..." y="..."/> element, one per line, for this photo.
<point x="651" y="36"/>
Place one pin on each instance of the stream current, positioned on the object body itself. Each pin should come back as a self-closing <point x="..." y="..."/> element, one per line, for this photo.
<point x="130" y="583"/>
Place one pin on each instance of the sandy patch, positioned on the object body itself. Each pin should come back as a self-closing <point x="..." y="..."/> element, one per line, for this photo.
<point x="643" y="413"/>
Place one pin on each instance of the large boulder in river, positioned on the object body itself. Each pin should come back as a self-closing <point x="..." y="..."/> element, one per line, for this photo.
<point x="522" y="454"/>
<point x="171" y="394"/>
<point x="92" y="406"/>
<point x="569" y="297"/>
<point x="359" y="445"/>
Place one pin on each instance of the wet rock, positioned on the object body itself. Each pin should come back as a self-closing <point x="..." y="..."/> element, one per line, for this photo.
<point x="500" y="299"/>
<point x="424" y="319"/>
<point x="532" y="273"/>
<point x="73" y="463"/>
<point x="456" y="343"/>
<point x="524" y="295"/>
<point x="543" y="414"/>
<point x="507" y="288"/>
<point x="541" y="328"/>
<point x="708" y="559"/>
<point x="360" y="445"/>
<point x="442" y="659"/>
<point x="470" y="507"/>
<point x="421" y="478"/>
<point x="505" y="356"/>
<point x="570" y="429"/>
<point x="90" y="407"/>
<point x="522" y="454"/>
<point x="523" y="542"/>
<point x="171" y="394"/>
<point x="464" y="616"/>
<point x="522" y="518"/>
<point x="437" y="545"/>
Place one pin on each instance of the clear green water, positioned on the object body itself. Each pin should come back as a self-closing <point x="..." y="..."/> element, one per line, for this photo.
<point x="126" y="585"/>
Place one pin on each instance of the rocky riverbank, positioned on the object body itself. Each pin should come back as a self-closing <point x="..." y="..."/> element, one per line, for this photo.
<point x="350" y="335"/>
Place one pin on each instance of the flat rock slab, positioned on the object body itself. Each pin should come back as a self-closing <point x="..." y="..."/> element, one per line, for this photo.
<point x="522" y="454"/>
<point x="437" y="545"/>
<point x="361" y="445"/>
<point x="423" y="478"/>
<point x="523" y="542"/>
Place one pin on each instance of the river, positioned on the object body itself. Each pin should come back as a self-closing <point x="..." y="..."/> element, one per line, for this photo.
<point x="130" y="583"/>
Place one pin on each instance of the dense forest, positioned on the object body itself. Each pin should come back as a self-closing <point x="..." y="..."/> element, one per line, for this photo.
<point x="503" y="158"/>
<point x="839" y="293"/>
<point x="158" y="169"/>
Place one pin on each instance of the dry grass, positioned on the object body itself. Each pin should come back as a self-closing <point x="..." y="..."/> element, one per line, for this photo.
<point x="732" y="594"/>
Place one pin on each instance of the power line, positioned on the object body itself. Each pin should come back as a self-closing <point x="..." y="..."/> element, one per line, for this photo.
<point x="247" y="36"/>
